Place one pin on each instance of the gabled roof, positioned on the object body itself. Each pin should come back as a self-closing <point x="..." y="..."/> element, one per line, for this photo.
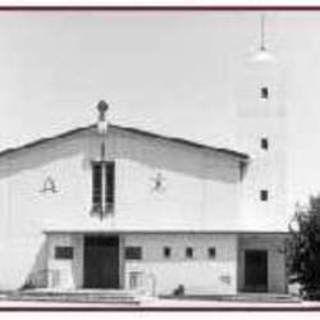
<point x="230" y="152"/>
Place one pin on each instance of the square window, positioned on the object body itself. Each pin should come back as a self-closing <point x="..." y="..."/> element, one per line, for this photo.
<point x="264" y="143"/>
<point x="264" y="195"/>
<point x="133" y="253"/>
<point x="212" y="252"/>
<point x="167" y="252"/>
<point x="63" y="253"/>
<point x="189" y="252"/>
<point x="264" y="93"/>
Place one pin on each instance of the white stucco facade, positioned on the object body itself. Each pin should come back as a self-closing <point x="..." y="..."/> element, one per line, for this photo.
<point x="263" y="118"/>
<point x="198" y="207"/>
<point x="201" y="274"/>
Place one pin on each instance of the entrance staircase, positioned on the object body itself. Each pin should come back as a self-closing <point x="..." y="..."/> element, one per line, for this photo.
<point x="84" y="296"/>
<point x="242" y="297"/>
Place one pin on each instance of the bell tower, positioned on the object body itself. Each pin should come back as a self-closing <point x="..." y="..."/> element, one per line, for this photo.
<point x="261" y="132"/>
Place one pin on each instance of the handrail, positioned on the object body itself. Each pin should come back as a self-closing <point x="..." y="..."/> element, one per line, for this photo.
<point x="153" y="278"/>
<point x="139" y="280"/>
<point x="40" y="279"/>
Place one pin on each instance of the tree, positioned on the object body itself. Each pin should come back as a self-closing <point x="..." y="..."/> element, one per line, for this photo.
<point x="304" y="249"/>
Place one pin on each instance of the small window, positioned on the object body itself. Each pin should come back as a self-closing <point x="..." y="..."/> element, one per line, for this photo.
<point x="212" y="252"/>
<point x="63" y="253"/>
<point x="264" y="143"/>
<point x="264" y="93"/>
<point x="264" y="195"/>
<point x="167" y="252"/>
<point x="133" y="253"/>
<point x="189" y="253"/>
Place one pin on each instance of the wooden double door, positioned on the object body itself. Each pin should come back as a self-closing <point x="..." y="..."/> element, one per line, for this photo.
<point x="101" y="262"/>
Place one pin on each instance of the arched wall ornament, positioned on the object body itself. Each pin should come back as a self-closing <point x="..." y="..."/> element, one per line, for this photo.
<point x="49" y="185"/>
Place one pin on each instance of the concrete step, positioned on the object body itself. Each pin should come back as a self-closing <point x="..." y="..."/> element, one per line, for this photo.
<point x="242" y="297"/>
<point x="265" y="297"/>
<point x="99" y="296"/>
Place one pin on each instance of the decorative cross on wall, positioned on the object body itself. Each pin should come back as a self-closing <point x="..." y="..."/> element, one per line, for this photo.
<point x="158" y="182"/>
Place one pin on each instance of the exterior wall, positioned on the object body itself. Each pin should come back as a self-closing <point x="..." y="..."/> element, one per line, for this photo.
<point x="65" y="273"/>
<point x="199" y="275"/>
<point x="25" y="211"/>
<point x="161" y="276"/>
<point x="69" y="273"/>
<point x="277" y="276"/>
<point x="263" y="118"/>
<point x="201" y="193"/>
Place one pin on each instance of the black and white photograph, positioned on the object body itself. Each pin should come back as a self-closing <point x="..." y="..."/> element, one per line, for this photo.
<point x="160" y="159"/>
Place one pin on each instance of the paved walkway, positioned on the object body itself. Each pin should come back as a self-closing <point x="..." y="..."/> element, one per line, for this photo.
<point x="123" y="300"/>
<point x="161" y="304"/>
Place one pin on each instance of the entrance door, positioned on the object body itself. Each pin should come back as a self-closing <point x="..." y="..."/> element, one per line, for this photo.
<point x="256" y="270"/>
<point x="101" y="262"/>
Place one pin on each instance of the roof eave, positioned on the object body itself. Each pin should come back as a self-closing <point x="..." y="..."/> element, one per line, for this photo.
<point x="242" y="156"/>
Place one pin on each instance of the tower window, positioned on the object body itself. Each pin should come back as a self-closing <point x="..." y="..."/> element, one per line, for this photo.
<point x="264" y="93"/>
<point x="264" y="143"/>
<point x="167" y="252"/>
<point x="264" y="195"/>
<point x="189" y="252"/>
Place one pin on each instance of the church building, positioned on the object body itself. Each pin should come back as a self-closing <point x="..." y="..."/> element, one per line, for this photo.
<point x="112" y="207"/>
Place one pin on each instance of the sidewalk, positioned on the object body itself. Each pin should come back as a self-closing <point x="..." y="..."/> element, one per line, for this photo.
<point x="158" y="305"/>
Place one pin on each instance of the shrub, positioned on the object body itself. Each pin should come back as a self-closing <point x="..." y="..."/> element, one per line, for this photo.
<point x="304" y="250"/>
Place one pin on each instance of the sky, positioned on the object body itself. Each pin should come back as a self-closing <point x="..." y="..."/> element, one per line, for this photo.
<point x="168" y="72"/>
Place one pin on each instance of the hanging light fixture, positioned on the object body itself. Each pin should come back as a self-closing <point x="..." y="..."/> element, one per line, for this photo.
<point x="263" y="54"/>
